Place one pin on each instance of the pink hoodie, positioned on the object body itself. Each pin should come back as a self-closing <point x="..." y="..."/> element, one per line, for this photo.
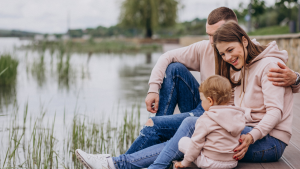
<point x="197" y="57"/>
<point x="269" y="107"/>
<point x="216" y="134"/>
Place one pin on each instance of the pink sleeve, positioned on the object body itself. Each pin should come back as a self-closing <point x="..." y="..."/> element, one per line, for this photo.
<point x="198" y="140"/>
<point x="189" y="56"/>
<point x="273" y="101"/>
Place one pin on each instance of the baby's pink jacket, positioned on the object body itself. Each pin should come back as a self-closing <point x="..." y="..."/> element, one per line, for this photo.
<point x="269" y="107"/>
<point x="216" y="134"/>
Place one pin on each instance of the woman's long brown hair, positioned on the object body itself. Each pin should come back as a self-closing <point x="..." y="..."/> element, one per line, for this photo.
<point x="232" y="32"/>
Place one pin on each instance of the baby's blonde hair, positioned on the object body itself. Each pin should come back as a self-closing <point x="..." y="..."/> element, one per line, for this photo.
<point x="217" y="88"/>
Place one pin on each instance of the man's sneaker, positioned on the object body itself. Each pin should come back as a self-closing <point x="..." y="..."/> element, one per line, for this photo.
<point x="93" y="161"/>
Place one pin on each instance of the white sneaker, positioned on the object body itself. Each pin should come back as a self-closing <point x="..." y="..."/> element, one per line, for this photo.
<point x="93" y="161"/>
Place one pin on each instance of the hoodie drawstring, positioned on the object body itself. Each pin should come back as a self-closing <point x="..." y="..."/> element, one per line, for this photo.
<point x="244" y="85"/>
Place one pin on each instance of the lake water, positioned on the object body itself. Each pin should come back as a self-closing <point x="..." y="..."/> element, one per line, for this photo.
<point x="95" y="84"/>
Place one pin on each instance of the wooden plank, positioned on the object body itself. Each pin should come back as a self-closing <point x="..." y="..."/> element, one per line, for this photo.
<point x="296" y="104"/>
<point x="242" y="165"/>
<point x="296" y="119"/>
<point x="292" y="156"/>
<point x="296" y="111"/>
<point x="295" y="140"/>
<point x="281" y="164"/>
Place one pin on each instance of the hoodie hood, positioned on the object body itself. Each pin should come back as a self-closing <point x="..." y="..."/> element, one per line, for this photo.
<point x="272" y="50"/>
<point x="231" y="118"/>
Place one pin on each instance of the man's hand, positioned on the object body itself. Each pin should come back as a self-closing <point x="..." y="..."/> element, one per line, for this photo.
<point x="282" y="76"/>
<point x="150" y="99"/>
<point x="179" y="165"/>
<point x="245" y="141"/>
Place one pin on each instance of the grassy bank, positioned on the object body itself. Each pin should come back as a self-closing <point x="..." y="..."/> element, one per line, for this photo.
<point x="272" y="30"/>
<point x="105" y="46"/>
<point x="37" y="142"/>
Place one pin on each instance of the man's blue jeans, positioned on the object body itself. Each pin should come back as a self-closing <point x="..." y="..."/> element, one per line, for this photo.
<point x="179" y="87"/>
<point x="157" y="145"/>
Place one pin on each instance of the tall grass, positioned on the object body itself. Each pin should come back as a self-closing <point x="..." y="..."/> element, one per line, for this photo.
<point x="35" y="142"/>
<point x="8" y="78"/>
<point x="8" y="69"/>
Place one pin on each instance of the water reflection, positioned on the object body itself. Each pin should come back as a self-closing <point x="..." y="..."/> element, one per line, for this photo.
<point x="7" y="96"/>
<point x="65" y="72"/>
<point x="148" y="58"/>
<point x="134" y="79"/>
<point x="93" y="82"/>
<point x="38" y="71"/>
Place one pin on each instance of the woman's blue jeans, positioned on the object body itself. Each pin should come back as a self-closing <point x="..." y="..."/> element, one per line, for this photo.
<point x="157" y="146"/>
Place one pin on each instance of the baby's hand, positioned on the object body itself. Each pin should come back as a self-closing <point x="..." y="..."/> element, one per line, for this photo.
<point x="179" y="165"/>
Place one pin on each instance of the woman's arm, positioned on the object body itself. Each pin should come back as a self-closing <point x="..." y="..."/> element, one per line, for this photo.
<point x="274" y="103"/>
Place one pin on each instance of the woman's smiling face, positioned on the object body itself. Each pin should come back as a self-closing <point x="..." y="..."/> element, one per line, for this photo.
<point x="232" y="53"/>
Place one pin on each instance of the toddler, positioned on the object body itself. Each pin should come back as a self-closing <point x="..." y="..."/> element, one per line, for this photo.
<point x="217" y="131"/>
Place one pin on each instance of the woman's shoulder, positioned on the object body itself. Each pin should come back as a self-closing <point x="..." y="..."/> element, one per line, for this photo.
<point x="269" y="62"/>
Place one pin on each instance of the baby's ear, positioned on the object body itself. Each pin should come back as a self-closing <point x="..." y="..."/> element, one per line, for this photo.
<point x="211" y="101"/>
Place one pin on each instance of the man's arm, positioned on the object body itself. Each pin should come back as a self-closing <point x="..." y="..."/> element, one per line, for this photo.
<point x="284" y="77"/>
<point x="189" y="56"/>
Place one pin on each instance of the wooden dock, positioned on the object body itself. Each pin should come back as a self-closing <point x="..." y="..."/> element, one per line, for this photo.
<point x="291" y="155"/>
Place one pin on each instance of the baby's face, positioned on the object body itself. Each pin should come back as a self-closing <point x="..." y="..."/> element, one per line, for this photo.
<point x="206" y="103"/>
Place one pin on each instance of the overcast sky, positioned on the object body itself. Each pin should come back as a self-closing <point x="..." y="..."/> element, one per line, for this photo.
<point x="50" y="16"/>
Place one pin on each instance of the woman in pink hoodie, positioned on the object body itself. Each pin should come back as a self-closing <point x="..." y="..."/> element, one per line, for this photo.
<point x="268" y="108"/>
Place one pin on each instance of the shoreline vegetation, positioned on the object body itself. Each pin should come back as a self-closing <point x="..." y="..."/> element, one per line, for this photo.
<point x="41" y="140"/>
<point x="90" y="46"/>
<point x="30" y="141"/>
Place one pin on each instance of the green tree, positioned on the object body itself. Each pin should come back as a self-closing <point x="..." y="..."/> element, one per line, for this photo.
<point x="286" y="6"/>
<point x="148" y="14"/>
<point x="258" y="8"/>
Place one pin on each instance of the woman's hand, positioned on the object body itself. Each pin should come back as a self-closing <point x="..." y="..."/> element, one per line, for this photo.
<point x="245" y="141"/>
<point x="179" y="165"/>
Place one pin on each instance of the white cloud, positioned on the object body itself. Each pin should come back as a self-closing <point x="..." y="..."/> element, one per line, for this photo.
<point x="51" y="16"/>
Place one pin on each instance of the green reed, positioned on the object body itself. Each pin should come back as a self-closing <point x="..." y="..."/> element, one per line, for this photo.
<point x="8" y="79"/>
<point x="34" y="142"/>
<point x="8" y="69"/>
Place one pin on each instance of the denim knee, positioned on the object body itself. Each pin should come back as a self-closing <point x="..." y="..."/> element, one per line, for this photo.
<point x="189" y="122"/>
<point x="147" y="129"/>
<point x="176" y="67"/>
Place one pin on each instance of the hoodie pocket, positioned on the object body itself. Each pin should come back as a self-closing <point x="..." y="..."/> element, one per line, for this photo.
<point x="269" y="155"/>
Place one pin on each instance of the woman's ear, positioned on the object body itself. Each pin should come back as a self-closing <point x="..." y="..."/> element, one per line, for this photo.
<point x="211" y="101"/>
<point x="245" y="41"/>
